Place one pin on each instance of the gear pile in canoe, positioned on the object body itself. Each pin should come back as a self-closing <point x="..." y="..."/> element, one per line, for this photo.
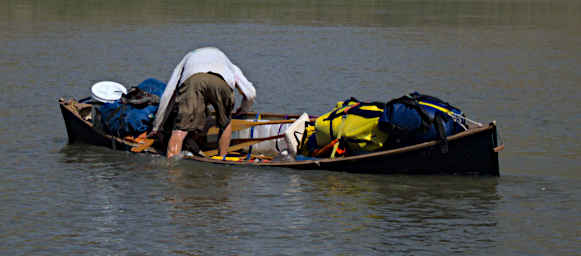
<point x="412" y="134"/>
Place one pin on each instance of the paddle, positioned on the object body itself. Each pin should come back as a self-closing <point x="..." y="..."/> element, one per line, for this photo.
<point x="238" y="125"/>
<point x="242" y="143"/>
<point x="143" y="145"/>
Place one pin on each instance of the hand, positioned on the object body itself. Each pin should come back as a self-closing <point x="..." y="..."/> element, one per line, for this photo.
<point x="238" y="112"/>
<point x="153" y="134"/>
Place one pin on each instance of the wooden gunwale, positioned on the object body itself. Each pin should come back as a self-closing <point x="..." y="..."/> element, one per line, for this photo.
<point x="351" y="158"/>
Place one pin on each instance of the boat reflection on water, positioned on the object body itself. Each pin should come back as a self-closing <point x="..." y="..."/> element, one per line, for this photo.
<point x="240" y="204"/>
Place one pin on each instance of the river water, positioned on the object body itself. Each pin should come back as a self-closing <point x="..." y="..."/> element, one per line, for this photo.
<point x="513" y="61"/>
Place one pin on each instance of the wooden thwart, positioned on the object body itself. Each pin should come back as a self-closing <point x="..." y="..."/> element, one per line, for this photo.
<point x="237" y="143"/>
<point x="238" y="125"/>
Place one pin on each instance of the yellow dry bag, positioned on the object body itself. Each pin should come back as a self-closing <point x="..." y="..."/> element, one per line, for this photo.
<point x="354" y="124"/>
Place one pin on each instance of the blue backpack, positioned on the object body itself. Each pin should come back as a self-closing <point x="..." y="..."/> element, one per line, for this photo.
<point x="135" y="112"/>
<point x="417" y="118"/>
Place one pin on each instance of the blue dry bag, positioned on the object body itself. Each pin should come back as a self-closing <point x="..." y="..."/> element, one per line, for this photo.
<point x="417" y="118"/>
<point x="123" y="119"/>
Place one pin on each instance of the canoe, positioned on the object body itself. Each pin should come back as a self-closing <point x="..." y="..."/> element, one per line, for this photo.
<point x="471" y="152"/>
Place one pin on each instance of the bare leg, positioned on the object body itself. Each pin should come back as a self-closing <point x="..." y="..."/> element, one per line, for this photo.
<point x="174" y="146"/>
<point x="224" y="141"/>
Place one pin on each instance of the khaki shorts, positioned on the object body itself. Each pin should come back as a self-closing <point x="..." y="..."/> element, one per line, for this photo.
<point x="195" y="94"/>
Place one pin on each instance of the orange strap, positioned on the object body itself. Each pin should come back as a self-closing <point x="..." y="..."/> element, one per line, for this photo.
<point x="327" y="149"/>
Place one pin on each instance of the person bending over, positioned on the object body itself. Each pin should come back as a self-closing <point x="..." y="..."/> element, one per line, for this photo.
<point x="203" y="77"/>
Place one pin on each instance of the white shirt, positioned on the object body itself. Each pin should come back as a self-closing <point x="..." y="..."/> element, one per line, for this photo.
<point x="204" y="60"/>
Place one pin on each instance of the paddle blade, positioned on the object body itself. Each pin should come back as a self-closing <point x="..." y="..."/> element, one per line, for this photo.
<point x="145" y="144"/>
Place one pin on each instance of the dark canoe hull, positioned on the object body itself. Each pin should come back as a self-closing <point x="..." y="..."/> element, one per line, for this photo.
<point x="473" y="152"/>
<point x="80" y="131"/>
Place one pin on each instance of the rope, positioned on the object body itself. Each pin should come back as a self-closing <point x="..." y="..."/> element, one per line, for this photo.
<point x="339" y="135"/>
<point x="252" y="136"/>
<point x="457" y="117"/>
<point x="276" y="141"/>
<point x="460" y="117"/>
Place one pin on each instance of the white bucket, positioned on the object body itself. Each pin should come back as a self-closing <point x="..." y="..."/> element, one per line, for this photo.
<point x="293" y="134"/>
<point x="107" y="91"/>
<point x="269" y="147"/>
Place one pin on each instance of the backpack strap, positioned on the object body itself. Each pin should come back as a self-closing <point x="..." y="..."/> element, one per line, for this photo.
<point x="437" y="121"/>
<point x="434" y="101"/>
<point x="354" y="109"/>
<point x="414" y="104"/>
